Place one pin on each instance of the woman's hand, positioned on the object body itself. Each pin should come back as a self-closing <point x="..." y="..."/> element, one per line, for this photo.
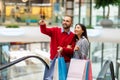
<point x="76" y="48"/>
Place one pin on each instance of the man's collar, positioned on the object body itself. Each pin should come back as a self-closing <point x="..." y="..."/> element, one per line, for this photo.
<point x="62" y="30"/>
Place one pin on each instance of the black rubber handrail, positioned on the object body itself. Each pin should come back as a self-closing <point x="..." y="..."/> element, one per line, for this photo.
<point x="108" y="64"/>
<point x="21" y="59"/>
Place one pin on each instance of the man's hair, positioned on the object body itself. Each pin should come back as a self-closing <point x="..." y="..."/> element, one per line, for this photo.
<point x="70" y="17"/>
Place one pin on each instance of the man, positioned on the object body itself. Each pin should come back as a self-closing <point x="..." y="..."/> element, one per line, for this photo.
<point x="62" y="39"/>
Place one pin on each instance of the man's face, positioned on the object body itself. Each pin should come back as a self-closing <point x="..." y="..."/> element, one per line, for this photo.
<point x="67" y="22"/>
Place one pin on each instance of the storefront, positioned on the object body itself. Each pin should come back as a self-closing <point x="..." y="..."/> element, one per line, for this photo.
<point x="25" y="10"/>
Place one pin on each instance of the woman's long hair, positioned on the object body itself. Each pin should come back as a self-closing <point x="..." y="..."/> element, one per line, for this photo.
<point x="84" y="29"/>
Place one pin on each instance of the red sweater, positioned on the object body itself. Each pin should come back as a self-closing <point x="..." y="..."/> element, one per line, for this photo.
<point x="59" y="38"/>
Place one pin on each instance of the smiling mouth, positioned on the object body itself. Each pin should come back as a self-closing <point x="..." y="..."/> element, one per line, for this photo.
<point x="65" y="26"/>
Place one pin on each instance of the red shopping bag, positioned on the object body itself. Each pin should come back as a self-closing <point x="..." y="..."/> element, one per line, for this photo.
<point x="77" y="69"/>
<point x="90" y="71"/>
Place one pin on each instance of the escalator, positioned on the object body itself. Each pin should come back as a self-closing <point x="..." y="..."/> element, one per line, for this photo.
<point x="107" y="71"/>
<point x="19" y="73"/>
<point x="4" y="59"/>
<point x="16" y="70"/>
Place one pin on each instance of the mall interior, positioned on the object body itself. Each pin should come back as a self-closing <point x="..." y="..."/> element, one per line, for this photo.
<point x="24" y="50"/>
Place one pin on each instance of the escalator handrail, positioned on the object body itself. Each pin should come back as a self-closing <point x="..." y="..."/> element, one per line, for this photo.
<point x="21" y="59"/>
<point x="112" y="70"/>
<point x="108" y="64"/>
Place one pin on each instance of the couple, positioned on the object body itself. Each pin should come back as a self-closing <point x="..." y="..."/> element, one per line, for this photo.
<point x="64" y="41"/>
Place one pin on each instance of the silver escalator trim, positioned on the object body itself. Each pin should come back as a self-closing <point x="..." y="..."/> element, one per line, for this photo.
<point x="108" y="64"/>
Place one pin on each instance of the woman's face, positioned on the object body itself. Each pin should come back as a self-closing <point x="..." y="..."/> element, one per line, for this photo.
<point x="78" y="30"/>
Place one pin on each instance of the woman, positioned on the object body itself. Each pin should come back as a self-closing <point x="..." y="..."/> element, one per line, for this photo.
<point x="82" y="45"/>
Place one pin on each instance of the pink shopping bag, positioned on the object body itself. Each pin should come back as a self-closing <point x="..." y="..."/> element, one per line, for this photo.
<point x="77" y="69"/>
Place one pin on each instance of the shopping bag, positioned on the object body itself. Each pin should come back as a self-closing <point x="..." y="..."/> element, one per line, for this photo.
<point x="62" y="68"/>
<point x="88" y="71"/>
<point x="77" y="69"/>
<point x="48" y="74"/>
<point x="55" y="74"/>
<point x="57" y="70"/>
